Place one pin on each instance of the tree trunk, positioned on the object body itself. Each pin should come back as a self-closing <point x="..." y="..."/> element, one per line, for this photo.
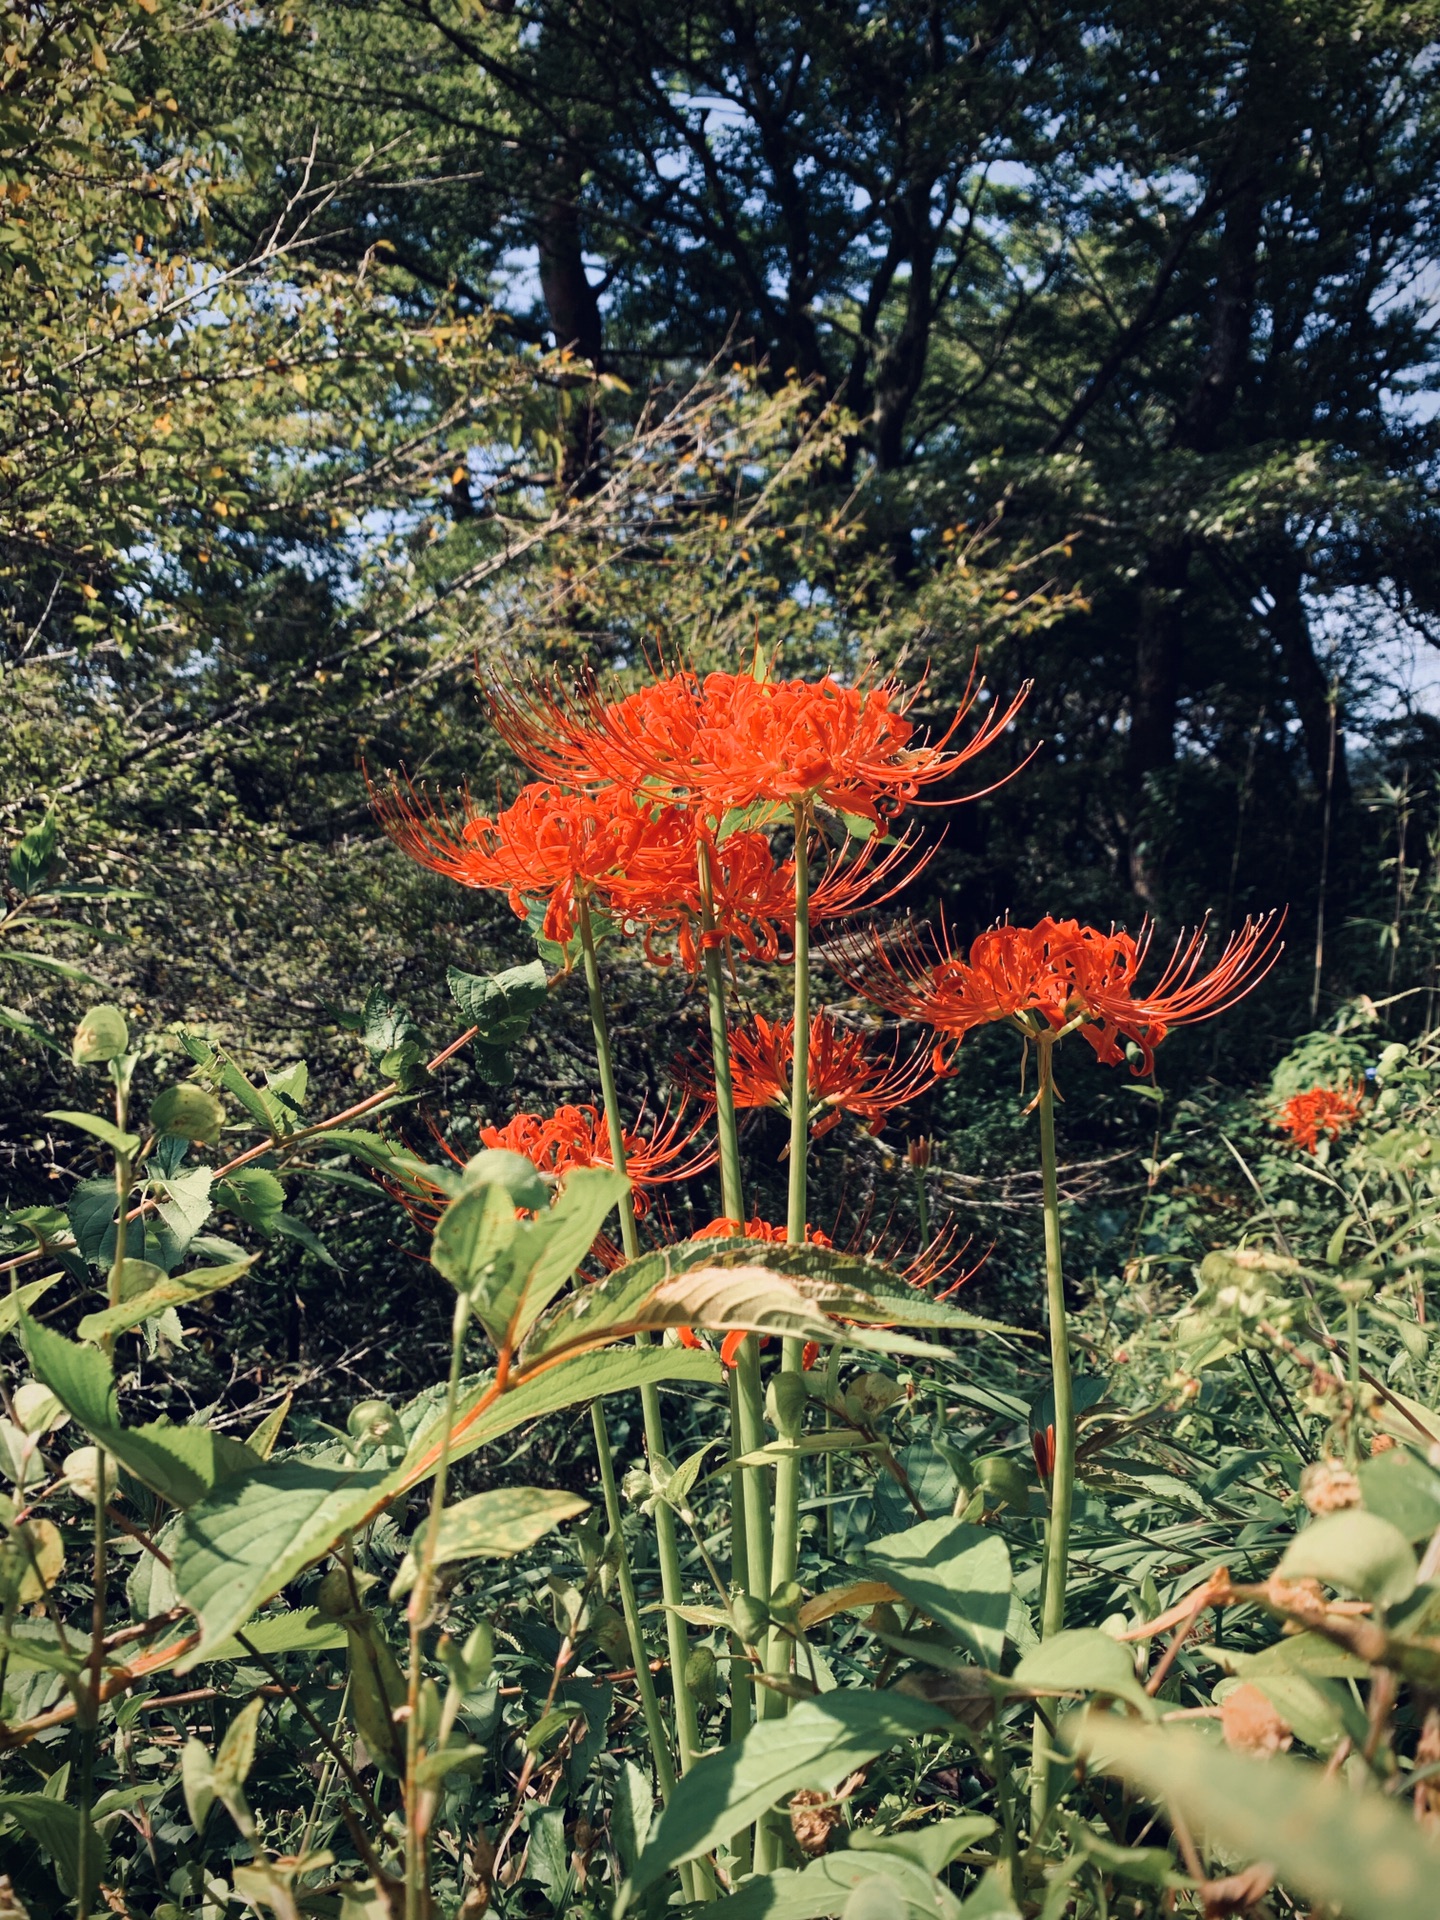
<point x="575" y="317"/>
<point x="1309" y="689"/>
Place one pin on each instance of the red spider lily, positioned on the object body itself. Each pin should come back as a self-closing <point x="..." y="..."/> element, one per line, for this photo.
<point x="752" y="893"/>
<point x="1068" y="976"/>
<point x="730" y="740"/>
<point x="573" y="1137"/>
<point x="543" y="847"/>
<point x="1328" y="1110"/>
<point x="844" y="1076"/>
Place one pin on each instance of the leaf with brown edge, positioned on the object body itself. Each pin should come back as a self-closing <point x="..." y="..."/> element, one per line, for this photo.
<point x="860" y="1594"/>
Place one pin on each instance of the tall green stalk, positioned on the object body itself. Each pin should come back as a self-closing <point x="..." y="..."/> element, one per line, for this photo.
<point x="630" y="1608"/>
<point x="1062" y="1484"/>
<point x="417" y="1902"/>
<point x="750" y="1540"/>
<point x="785" y="1541"/>
<point x="87" y="1698"/>
<point x="687" y="1724"/>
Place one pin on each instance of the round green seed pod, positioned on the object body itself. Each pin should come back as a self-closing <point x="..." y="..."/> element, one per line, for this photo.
<point x="190" y="1112"/>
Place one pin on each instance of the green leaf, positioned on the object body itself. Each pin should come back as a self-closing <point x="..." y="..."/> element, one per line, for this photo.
<point x="237" y="1549"/>
<point x="236" y="1757"/>
<point x="1403" y="1490"/>
<point x="500" y="1006"/>
<point x="302" y="1630"/>
<point x="815" y="1746"/>
<point x="55" y="1827"/>
<point x="197" y="1779"/>
<point x="1355" y="1550"/>
<point x="253" y="1195"/>
<point x="102" y="1129"/>
<point x="176" y="1290"/>
<point x="1353" y="1851"/>
<point x="957" y="1576"/>
<point x="503" y="1522"/>
<point x="931" y="1848"/>
<point x="1084" y="1660"/>
<point x="31" y="857"/>
<point x="22" y="1023"/>
<point x="722" y="1298"/>
<point x="91" y="1213"/>
<point x="630" y="1810"/>
<point x="469" y="1246"/>
<point x="189" y="1112"/>
<point x="49" y="964"/>
<point x="12" y="1305"/>
<point x="180" y="1463"/>
<point x="1308" y="1653"/>
<point x="829" y="1886"/>
<point x="290" y="1228"/>
<point x="187" y="1205"/>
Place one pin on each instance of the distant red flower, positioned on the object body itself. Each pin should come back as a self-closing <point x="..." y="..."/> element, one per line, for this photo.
<point x="1328" y="1110"/>
<point x="1063" y="975"/>
<point x="730" y="740"/>
<point x="844" y="1075"/>
<point x="573" y="1137"/>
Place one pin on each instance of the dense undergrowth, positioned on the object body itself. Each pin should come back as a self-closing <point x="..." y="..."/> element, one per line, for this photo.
<point x="512" y="1643"/>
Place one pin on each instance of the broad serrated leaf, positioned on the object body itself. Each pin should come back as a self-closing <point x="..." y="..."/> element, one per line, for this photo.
<point x="499" y="1005"/>
<point x="827" y="1887"/>
<point x="958" y="1576"/>
<point x="503" y="1522"/>
<point x="175" y="1290"/>
<point x="238" y="1549"/>
<point x="181" y="1464"/>
<point x="91" y="1213"/>
<point x="814" y="1747"/>
<point x="186" y="1207"/>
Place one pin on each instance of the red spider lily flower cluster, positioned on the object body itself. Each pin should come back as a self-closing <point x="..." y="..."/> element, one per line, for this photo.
<point x="752" y="894"/>
<point x="640" y="862"/>
<point x="728" y="740"/>
<point x="844" y="1075"/>
<point x="573" y="1137"/>
<point x="1064" y="975"/>
<point x="1327" y="1110"/>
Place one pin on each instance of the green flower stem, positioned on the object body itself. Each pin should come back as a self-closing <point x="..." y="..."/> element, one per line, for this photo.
<point x="785" y="1551"/>
<point x="672" y="1587"/>
<point x="417" y="1891"/>
<point x="87" y="1700"/>
<point x="800" y="1056"/>
<point x="750" y="1540"/>
<point x="630" y="1607"/>
<point x="1062" y="1485"/>
<point x="785" y="1539"/>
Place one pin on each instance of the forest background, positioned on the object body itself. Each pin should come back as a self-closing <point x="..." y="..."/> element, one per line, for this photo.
<point x="347" y="345"/>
